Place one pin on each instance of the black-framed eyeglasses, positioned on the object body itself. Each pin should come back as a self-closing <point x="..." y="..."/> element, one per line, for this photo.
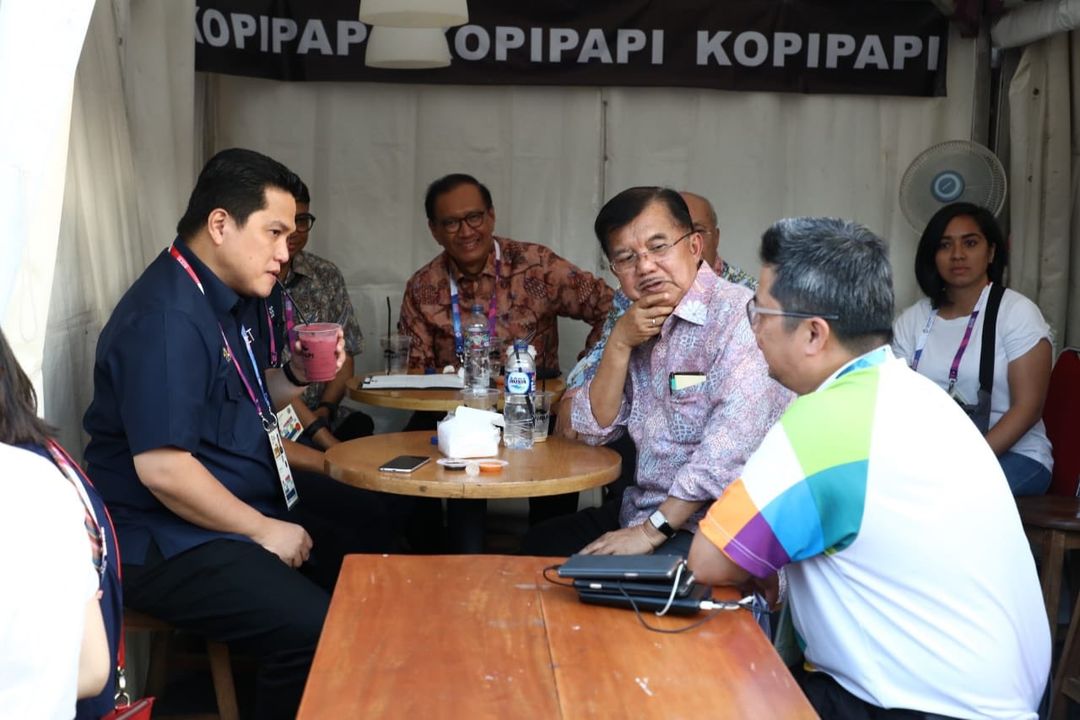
<point x="304" y="222"/>
<point x="753" y="311"/>
<point x="473" y="220"/>
<point x="626" y="262"/>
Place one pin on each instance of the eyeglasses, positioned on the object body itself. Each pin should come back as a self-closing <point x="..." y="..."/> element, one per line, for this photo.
<point x="626" y="262"/>
<point x="304" y="222"/>
<point x="473" y="220"/>
<point x="753" y="311"/>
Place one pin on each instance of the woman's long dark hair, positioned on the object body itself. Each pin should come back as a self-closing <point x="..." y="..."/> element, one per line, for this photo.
<point x="19" y="422"/>
<point x="926" y="272"/>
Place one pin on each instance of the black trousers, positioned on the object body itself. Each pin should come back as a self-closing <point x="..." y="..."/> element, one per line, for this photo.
<point x="833" y="702"/>
<point x="566" y="535"/>
<point x="356" y="424"/>
<point x="236" y="592"/>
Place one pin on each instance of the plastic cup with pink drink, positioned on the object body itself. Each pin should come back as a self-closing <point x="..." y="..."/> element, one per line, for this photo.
<point x="318" y="342"/>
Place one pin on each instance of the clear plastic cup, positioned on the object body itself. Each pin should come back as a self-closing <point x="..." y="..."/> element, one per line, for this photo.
<point x="542" y="403"/>
<point x="395" y="351"/>
<point x="318" y="342"/>
<point x="481" y="399"/>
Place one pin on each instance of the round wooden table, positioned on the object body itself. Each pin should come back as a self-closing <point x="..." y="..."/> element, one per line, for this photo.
<point x="552" y="467"/>
<point x="432" y="400"/>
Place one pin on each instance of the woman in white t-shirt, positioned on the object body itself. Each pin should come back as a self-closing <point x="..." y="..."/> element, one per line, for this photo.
<point x="53" y="643"/>
<point x="961" y="252"/>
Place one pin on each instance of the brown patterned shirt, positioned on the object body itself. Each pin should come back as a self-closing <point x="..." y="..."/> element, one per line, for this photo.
<point x="536" y="287"/>
<point x="318" y="289"/>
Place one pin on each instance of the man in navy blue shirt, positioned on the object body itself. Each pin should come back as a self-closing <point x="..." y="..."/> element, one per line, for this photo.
<point x="183" y="440"/>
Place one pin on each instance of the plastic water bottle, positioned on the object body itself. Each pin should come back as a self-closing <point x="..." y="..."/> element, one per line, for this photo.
<point x="520" y="370"/>
<point x="477" y="344"/>
<point x="518" y="409"/>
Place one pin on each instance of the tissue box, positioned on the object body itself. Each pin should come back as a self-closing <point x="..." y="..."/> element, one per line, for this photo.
<point x="470" y="433"/>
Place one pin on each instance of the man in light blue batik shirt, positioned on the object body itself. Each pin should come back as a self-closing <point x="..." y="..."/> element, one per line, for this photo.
<point x="680" y="374"/>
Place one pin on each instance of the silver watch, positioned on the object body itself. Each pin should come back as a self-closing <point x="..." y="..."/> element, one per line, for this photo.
<point x="659" y="521"/>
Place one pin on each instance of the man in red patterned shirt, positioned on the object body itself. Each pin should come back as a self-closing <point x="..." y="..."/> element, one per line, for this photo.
<point x="528" y="286"/>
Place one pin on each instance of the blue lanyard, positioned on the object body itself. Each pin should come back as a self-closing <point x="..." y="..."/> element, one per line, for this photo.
<point x="246" y="334"/>
<point x="455" y="305"/>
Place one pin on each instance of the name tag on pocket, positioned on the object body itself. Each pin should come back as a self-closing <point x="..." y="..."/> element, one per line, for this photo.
<point x="683" y="380"/>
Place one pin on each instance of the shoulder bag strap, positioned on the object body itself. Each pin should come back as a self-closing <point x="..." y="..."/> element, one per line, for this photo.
<point x="989" y="337"/>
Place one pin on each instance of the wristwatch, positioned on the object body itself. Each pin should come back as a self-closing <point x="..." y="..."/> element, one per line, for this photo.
<point x="660" y="523"/>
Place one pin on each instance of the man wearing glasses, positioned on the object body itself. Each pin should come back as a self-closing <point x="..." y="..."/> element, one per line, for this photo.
<point x="524" y="286"/>
<point x="910" y="581"/>
<point x="680" y="373"/>
<point x="312" y="289"/>
<point x="703" y="217"/>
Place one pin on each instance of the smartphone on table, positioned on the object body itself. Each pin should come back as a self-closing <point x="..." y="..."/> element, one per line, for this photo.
<point x="404" y="463"/>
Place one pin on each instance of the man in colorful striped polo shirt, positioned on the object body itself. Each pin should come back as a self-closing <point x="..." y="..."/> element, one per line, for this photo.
<point x="912" y="588"/>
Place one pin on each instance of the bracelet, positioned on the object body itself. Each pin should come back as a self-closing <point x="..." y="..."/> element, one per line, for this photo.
<point x="316" y="425"/>
<point x="648" y="537"/>
<point x="291" y="376"/>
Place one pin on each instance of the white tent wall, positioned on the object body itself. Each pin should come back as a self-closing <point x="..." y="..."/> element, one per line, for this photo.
<point x="130" y="167"/>
<point x="1044" y="172"/>
<point x="763" y="156"/>
<point x="368" y="151"/>
<point x="33" y="152"/>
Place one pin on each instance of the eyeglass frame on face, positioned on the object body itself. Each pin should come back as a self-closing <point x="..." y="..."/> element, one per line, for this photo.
<point x="753" y="311"/>
<point x="630" y="261"/>
<point x="304" y="216"/>
<point x="452" y="226"/>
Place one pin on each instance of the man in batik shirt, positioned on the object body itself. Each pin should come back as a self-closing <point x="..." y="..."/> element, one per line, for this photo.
<point x="314" y="291"/>
<point x="681" y="374"/>
<point x="525" y="288"/>
<point x="704" y="221"/>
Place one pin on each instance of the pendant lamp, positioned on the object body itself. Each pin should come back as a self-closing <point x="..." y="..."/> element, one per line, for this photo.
<point x="396" y="48"/>
<point x="414" y="13"/>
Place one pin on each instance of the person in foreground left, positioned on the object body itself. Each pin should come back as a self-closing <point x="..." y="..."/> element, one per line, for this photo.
<point x="54" y="646"/>
<point x="910" y="581"/>
<point x="184" y="443"/>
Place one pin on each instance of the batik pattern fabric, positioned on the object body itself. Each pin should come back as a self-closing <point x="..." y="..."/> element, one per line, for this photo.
<point x="586" y="366"/>
<point x="536" y="287"/>
<point x="318" y="288"/>
<point x="692" y="442"/>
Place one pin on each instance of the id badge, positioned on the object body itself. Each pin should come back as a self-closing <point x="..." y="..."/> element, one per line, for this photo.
<point x="289" y="422"/>
<point x="288" y="487"/>
<point x="954" y="393"/>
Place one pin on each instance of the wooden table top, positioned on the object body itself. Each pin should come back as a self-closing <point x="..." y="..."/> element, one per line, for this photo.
<point x="485" y="636"/>
<point x="549" y="468"/>
<point x="433" y="400"/>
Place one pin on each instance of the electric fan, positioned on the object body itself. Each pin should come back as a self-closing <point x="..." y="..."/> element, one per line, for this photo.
<point x="952" y="171"/>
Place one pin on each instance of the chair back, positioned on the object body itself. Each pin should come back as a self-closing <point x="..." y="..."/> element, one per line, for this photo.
<point x="1061" y="415"/>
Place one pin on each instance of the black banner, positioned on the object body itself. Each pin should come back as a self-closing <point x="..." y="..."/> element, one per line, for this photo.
<point x="878" y="47"/>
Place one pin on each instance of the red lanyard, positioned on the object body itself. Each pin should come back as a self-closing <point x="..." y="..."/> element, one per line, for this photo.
<point x="76" y="477"/>
<point x="267" y="418"/>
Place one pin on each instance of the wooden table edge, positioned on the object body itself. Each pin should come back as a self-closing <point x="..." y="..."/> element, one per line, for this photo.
<point x="398" y="484"/>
